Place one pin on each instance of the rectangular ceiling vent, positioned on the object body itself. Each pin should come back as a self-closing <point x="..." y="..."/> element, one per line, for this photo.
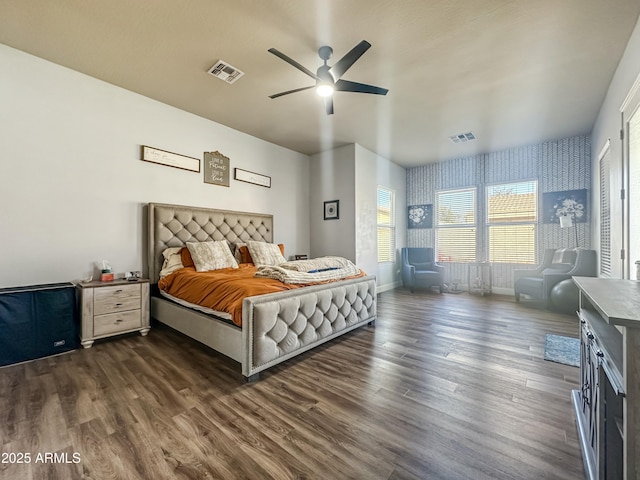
<point x="462" y="138"/>
<point x="225" y="72"/>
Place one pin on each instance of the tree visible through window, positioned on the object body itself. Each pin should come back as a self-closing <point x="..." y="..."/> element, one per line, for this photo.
<point x="512" y="215"/>
<point x="386" y="225"/>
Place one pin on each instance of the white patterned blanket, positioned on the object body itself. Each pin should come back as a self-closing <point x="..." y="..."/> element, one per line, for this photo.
<point x="310" y="271"/>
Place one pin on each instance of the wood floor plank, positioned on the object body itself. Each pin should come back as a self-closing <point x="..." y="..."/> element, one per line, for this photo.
<point x="444" y="387"/>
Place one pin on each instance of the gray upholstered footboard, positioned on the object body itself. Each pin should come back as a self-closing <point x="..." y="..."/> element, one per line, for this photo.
<point x="282" y="325"/>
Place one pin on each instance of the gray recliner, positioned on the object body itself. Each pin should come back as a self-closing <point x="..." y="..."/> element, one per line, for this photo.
<point x="557" y="265"/>
<point x="419" y="269"/>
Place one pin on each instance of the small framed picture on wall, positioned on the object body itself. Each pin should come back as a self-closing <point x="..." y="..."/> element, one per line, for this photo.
<point x="332" y="210"/>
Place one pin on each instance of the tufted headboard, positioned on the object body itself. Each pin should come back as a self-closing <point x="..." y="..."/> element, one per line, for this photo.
<point x="175" y="225"/>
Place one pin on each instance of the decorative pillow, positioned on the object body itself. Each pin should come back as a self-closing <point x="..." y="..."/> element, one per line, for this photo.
<point x="564" y="255"/>
<point x="263" y="253"/>
<point x="209" y="256"/>
<point x="242" y="254"/>
<point x="245" y="256"/>
<point x="237" y="253"/>
<point x="187" y="261"/>
<point x="172" y="261"/>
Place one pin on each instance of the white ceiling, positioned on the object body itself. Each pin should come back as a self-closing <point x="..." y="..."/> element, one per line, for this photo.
<point x="514" y="72"/>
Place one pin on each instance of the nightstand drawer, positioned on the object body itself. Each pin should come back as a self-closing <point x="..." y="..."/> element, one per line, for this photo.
<point x="113" y="308"/>
<point x="116" y="299"/>
<point x="116" y="322"/>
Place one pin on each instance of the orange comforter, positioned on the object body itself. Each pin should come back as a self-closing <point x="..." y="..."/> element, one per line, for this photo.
<point x="222" y="290"/>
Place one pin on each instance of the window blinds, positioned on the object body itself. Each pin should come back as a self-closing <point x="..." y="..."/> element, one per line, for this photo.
<point x="386" y="225"/>
<point x="511" y="218"/>
<point x="456" y="225"/>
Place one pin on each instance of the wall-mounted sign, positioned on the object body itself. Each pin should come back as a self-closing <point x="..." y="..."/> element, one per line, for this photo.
<point x="251" y="177"/>
<point x="162" y="157"/>
<point x="216" y="168"/>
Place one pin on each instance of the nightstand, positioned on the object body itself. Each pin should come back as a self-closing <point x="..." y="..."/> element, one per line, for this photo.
<point x="113" y="308"/>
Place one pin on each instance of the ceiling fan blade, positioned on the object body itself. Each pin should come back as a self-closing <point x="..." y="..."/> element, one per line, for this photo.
<point x="328" y="105"/>
<point x="293" y="63"/>
<point x="347" y="86"/>
<point x="349" y="59"/>
<point x="290" y="91"/>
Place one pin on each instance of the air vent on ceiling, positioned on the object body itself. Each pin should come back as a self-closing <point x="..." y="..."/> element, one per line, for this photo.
<point x="463" y="137"/>
<point x="226" y="72"/>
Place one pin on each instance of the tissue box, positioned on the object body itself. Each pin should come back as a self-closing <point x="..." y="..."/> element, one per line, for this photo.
<point x="106" y="277"/>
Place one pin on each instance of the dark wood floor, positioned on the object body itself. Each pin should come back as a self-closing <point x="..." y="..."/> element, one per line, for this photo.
<point x="444" y="387"/>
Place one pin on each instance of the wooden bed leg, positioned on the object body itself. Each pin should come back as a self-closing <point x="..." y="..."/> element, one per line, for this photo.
<point x="253" y="378"/>
<point x="372" y="323"/>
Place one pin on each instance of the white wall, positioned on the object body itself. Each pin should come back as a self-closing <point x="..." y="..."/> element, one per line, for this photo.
<point x="333" y="178"/>
<point x="366" y="239"/>
<point x="373" y="170"/>
<point x="608" y="126"/>
<point x="73" y="187"/>
<point x="394" y="177"/>
<point x="352" y="174"/>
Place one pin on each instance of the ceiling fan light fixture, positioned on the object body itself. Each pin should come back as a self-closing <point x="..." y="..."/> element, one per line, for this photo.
<point x="329" y="78"/>
<point x="324" y="90"/>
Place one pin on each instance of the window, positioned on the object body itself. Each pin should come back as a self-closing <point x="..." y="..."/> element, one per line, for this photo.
<point x="512" y="214"/>
<point x="456" y="225"/>
<point x="386" y="225"/>
<point x="605" y="215"/>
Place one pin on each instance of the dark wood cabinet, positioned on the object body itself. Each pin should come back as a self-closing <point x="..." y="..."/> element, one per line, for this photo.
<point x="607" y="404"/>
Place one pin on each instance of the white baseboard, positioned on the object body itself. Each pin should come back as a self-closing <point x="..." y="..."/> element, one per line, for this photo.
<point x="388" y="286"/>
<point x="496" y="290"/>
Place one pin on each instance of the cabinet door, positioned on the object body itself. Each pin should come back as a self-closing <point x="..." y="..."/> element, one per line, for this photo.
<point x="612" y="436"/>
<point x="17" y="327"/>
<point x="594" y="400"/>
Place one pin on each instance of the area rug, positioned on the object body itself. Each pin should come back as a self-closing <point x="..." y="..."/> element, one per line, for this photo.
<point x="564" y="350"/>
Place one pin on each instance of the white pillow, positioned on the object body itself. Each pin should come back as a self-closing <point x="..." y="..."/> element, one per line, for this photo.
<point x="172" y="261"/>
<point x="264" y="253"/>
<point x="211" y="255"/>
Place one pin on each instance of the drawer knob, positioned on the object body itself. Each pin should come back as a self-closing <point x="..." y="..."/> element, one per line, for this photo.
<point x="119" y="290"/>
<point x="118" y="304"/>
<point x="119" y="320"/>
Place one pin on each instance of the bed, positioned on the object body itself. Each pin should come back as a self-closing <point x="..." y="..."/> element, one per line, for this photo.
<point x="275" y="327"/>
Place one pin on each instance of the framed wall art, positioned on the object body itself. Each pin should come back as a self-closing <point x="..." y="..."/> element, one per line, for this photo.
<point x="572" y="203"/>
<point x="170" y="159"/>
<point x="332" y="210"/>
<point x="216" y="168"/>
<point x="252" y="177"/>
<point x="420" y="216"/>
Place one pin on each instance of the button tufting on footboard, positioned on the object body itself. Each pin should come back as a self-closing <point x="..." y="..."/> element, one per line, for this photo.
<point x="298" y="325"/>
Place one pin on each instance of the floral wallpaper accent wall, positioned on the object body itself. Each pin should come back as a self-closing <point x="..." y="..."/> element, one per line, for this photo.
<point x="559" y="166"/>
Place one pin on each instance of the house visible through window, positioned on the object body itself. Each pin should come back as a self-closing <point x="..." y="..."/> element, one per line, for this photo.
<point x="511" y="221"/>
<point x="386" y="225"/>
<point x="456" y="225"/>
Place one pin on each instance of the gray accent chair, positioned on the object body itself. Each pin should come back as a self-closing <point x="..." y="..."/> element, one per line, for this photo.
<point x="419" y="269"/>
<point x="557" y="265"/>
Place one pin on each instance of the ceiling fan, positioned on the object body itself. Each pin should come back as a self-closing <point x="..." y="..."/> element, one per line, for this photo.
<point x="328" y="79"/>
